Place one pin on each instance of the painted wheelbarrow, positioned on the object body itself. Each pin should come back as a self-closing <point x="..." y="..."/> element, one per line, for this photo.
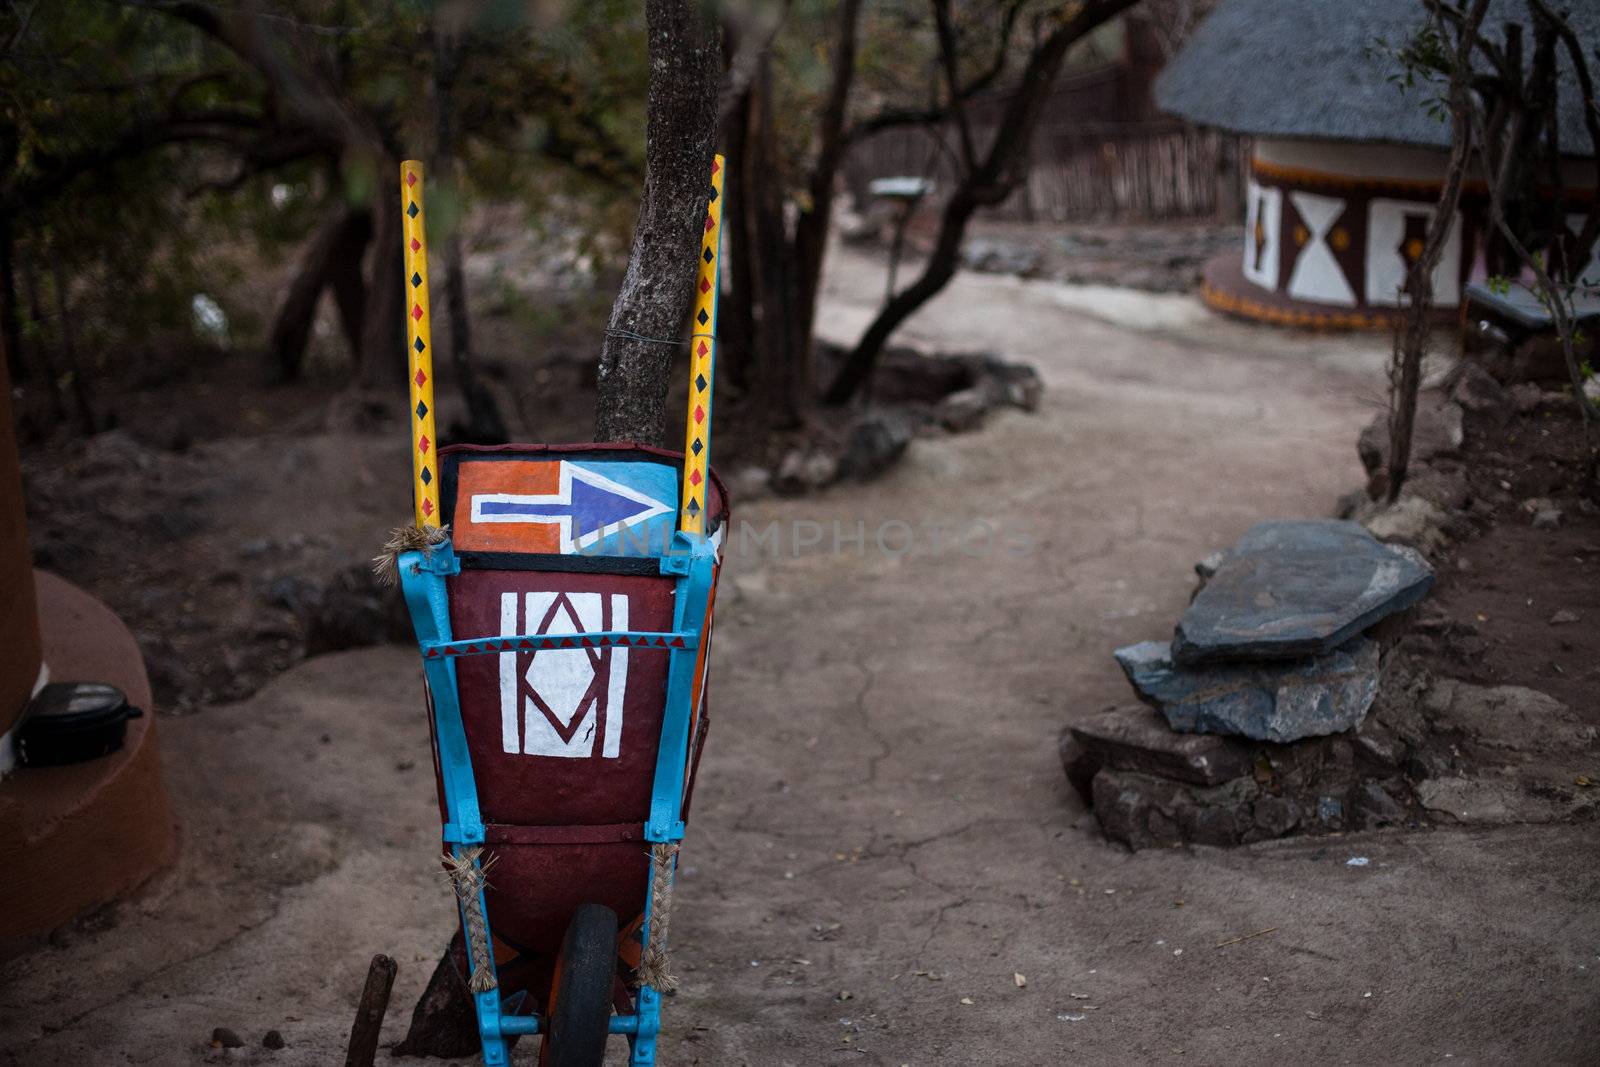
<point x="563" y="612"/>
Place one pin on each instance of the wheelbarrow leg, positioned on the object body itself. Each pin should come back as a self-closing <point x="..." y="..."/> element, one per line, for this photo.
<point x="643" y="1044"/>
<point x="496" y="1053"/>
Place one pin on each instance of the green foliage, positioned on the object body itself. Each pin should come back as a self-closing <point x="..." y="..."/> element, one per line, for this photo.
<point x="149" y="161"/>
<point x="1423" y="60"/>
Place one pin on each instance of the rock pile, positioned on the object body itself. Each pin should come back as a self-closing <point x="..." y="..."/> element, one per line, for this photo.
<point x="914" y="394"/>
<point x="1469" y="416"/>
<point x="1264" y="692"/>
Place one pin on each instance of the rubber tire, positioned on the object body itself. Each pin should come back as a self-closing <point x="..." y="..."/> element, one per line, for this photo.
<point x="581" y="1012"/>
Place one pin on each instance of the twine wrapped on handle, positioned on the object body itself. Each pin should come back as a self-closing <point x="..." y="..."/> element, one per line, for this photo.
<point x="654" y="969"/>
<point x="386" y="565"/>
<point x="469" y="877"/>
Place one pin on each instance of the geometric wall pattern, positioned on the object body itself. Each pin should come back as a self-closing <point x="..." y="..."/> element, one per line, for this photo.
<point x="1331" y="248"/>
<point x="1396" y="230"/>
<point x="1317" y="274"/>
<point x="1263" y="221"/>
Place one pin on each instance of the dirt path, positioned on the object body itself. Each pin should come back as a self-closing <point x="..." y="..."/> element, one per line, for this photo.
<point x="883" y="837"/>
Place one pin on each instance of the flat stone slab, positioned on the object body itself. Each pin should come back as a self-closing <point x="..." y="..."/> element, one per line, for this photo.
<point x="1278" y="702"/>
<point x="1297" y="588"/>
<point x="1134" y="738"/>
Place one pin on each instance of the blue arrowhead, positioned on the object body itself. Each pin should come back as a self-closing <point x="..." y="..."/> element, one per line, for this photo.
<point x="595" y="507"/>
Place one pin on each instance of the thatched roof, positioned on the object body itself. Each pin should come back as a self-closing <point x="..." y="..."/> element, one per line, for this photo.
<point x="1307" y="69"/>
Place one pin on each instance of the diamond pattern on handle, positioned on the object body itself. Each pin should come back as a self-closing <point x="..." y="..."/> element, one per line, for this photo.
<point x="424" y="487"/>
<point x="697" y="428"/>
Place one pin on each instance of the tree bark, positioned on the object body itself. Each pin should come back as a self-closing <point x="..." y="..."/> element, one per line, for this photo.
<point x="630" y="404"/>
<point x="990" y="182"/>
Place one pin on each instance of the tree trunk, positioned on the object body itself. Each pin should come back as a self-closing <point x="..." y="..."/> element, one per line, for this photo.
<point x="47" y="359"/>
<point x="350" y="287"/>
<point x="781" y="384"/>
<point x="484" y="425"/>
<point x="989" y="183"/>
<point x="1411" y="337"/>
<point x="383" y="355"/>
<point x="334" y="259"/>
<point x="736" y="348"/>
<point x="775" y="277"/>
<point x="78" y="384"/>
<point x="940" y="268"/>
<point x="811" y="228"/>
<point x="630" y="404"/>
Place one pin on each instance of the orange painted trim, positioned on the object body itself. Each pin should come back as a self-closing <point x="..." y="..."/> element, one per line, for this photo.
<point x="1277" y="172"/>
<point x="1304" y="318"/>
<point x="1307" y="176"/>
<point x="630" y="946"/>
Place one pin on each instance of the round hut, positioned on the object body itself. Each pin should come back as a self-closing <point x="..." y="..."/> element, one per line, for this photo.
<point x="1344" y="169"/>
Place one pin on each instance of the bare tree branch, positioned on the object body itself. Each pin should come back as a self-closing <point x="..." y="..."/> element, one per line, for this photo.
<point x="892" y="118"/>
<point x="990" y="182"/>
<point x="751" y="39"/>
<point x="1591" y="123"/>
<point x="1405" y="366"/>
<point x="950" y="59"/>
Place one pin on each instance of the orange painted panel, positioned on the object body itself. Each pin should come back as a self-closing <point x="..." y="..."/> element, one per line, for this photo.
<point x="535" y="477"/>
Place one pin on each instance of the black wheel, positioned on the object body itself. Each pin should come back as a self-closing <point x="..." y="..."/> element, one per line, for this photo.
<point x="580" y="997"/>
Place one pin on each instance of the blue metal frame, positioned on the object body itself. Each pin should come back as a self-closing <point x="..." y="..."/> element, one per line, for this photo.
<point x="691" y="562"/>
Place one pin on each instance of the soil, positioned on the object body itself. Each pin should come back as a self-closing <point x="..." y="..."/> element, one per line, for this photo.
<point x="886" y="865"/>
<point x="1524" y="602"/>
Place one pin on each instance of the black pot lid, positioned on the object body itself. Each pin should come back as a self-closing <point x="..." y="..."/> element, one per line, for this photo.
<point x="72" y="706"/>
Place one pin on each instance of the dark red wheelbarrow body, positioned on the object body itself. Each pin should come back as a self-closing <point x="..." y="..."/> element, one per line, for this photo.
<point x="563" y="756"/>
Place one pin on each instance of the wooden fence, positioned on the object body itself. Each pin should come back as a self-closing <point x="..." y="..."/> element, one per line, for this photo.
<point x="1133" y="171"/>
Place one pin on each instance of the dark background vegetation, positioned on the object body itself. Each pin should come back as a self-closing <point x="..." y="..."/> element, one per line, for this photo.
<point x="198" y="197"/>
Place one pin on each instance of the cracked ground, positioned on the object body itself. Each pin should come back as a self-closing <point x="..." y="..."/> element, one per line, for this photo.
<point x="885" y="863"/>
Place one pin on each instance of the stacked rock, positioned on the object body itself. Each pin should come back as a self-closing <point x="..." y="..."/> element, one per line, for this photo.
<point x="1266" y="682"/>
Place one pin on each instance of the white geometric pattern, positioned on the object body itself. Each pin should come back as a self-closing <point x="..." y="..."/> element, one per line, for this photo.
<point x="1386" y="265"/>
<point x="1317" y="275"/>
<point x="552" y="701"/>
<point x="1264" y="211"/>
